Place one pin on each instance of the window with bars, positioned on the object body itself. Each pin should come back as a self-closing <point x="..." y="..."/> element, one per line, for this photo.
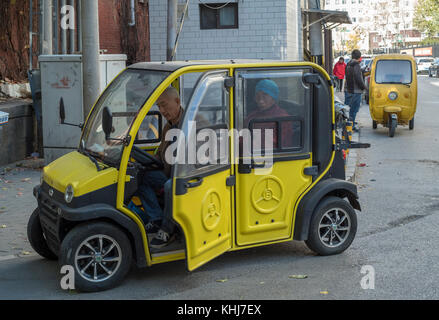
<point x="219" y="15"/>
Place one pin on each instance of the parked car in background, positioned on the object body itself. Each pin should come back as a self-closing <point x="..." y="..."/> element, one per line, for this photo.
<point x="433" y="71"/>
<point x="365" y="68"/>
<point x="423" y="65"/>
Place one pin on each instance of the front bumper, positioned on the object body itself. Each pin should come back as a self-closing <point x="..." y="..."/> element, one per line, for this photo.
<point x="49" y="217"/>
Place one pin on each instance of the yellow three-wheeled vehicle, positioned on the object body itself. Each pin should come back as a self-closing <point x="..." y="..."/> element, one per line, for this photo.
<point x="84" y="216"/>
<point x="393" y="91"/>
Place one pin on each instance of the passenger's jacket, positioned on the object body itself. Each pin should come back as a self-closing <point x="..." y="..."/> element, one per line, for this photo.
<point x="354" y="78"/>
<point x="275" y="113"/>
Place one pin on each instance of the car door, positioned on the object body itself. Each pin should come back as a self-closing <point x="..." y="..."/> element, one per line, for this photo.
<point x="202" y="198"/>
<point x="269" y="182"/>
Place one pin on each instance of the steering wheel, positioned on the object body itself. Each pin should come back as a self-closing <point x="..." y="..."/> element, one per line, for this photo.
<point x="146" y="159"/>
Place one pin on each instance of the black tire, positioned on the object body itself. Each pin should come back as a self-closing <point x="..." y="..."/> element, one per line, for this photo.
<point x="392" y="127"/>
<point x="36" y="237"/>
<point x="73" y="246"/>
<point x="327" y="207"/>
<point x="374" y="124"/>
<point x="412" y="124"/>
<point x="429" y="74"/>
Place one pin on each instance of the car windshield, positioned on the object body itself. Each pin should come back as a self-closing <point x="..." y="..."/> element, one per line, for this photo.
<point x="393" y="71"/>
<point x="426" y="60"/>
<point x="124" y="97"/>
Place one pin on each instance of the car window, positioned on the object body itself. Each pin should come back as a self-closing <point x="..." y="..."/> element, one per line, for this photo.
<point x="284" y="119"/>
<point x="425" y="60"/>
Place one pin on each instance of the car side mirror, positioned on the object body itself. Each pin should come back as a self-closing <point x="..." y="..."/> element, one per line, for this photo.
<point x="107" y="122"/>
<point x="62" y="111"/>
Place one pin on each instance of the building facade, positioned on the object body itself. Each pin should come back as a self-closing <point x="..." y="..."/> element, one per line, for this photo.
<point x="379" y="24"/>
<point x="218" y="29"/>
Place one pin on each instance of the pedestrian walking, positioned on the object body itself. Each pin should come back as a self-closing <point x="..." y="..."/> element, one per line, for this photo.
<point x="354" y="86"/>
<point x="339" y="72"/>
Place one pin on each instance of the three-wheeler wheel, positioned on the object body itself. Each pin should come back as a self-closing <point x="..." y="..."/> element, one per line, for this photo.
<point x="333" y="226"/>
<point x="37" y="238"/>
<point x="393" y="123"/>
<point x="100" y="254"/>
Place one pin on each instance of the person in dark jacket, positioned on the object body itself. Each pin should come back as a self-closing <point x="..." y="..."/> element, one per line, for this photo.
<point x="354" y="86"/>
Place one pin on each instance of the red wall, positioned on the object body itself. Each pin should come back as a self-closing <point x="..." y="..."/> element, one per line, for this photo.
<point x="116" y="36"/>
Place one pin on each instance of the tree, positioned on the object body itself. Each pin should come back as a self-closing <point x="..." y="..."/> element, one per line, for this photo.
<point x="355" y="38"/>
<point x="426" y="18"/>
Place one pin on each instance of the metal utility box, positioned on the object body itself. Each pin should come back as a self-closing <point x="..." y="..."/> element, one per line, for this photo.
<point x="61" y="77"/>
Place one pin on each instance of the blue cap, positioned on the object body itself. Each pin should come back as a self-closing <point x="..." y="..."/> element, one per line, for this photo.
<point x="269" y="87"/>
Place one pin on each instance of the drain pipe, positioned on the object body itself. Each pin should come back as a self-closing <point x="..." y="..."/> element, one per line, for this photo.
<point x="132" y="23"/>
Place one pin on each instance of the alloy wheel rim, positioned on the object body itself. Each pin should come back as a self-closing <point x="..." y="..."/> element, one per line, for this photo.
<point x="334" y="227"/>
<point x="98" y="258"/>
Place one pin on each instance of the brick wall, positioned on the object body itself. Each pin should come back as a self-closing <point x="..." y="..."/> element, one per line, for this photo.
<point x="109" y="26"/>
<point x="116" y="36"/>
<point x="267" y="29"/>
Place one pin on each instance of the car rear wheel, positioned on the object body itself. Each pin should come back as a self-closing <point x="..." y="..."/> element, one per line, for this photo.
<point x="374" y="124"/>
<point x="100" y="254"/>
<point x="333" y="227"/>
<point x="36" y="237"/>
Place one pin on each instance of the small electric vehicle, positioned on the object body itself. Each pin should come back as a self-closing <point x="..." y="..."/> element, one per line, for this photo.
<point x="85" y="216"/>
<point x="393" y="91"/>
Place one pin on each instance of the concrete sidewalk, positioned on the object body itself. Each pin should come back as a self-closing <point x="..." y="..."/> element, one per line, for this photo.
<point x="16" y="205"/>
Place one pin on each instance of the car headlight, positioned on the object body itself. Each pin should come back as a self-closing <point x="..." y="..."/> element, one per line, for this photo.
<point x="68" y="196"/>
<point x="393" y="95"/>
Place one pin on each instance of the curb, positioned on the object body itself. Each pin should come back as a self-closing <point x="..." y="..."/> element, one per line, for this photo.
<point x="351" y="160"/>
<point x="16" y="256"/>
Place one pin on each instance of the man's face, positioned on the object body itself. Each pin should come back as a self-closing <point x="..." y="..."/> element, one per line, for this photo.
<point x="341" y="60"/>
<point x="263" y="100"/>
<point x="169" y="106"/>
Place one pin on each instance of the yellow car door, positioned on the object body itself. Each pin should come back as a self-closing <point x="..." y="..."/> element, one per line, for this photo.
<point x="202" y="197"/>
<point x="273" y="174"/>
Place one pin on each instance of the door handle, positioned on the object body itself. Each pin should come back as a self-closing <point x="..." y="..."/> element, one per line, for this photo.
<point x="261" y="165"/>
<point x="198" y="181"/>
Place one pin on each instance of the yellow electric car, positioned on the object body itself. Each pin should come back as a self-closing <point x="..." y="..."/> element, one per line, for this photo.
<point x="393" y="91"/>
<point x="291" y="189"/>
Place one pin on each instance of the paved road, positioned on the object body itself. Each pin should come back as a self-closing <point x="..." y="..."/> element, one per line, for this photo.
<point x="397" y="236"/>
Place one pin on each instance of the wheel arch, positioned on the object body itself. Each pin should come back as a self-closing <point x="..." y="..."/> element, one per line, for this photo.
<point x="105" y="213"/>
<point x="326" y="188"/>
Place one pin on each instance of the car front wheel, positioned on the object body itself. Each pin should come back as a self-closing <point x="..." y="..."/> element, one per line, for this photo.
<point x="37" y="238"/>
<point x="100" y="254"/>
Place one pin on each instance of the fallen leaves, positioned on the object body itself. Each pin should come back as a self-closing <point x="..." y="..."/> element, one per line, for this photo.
<point x="298" y="276"/>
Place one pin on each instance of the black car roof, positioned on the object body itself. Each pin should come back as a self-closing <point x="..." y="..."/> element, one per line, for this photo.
<point x="172" y="66"/>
